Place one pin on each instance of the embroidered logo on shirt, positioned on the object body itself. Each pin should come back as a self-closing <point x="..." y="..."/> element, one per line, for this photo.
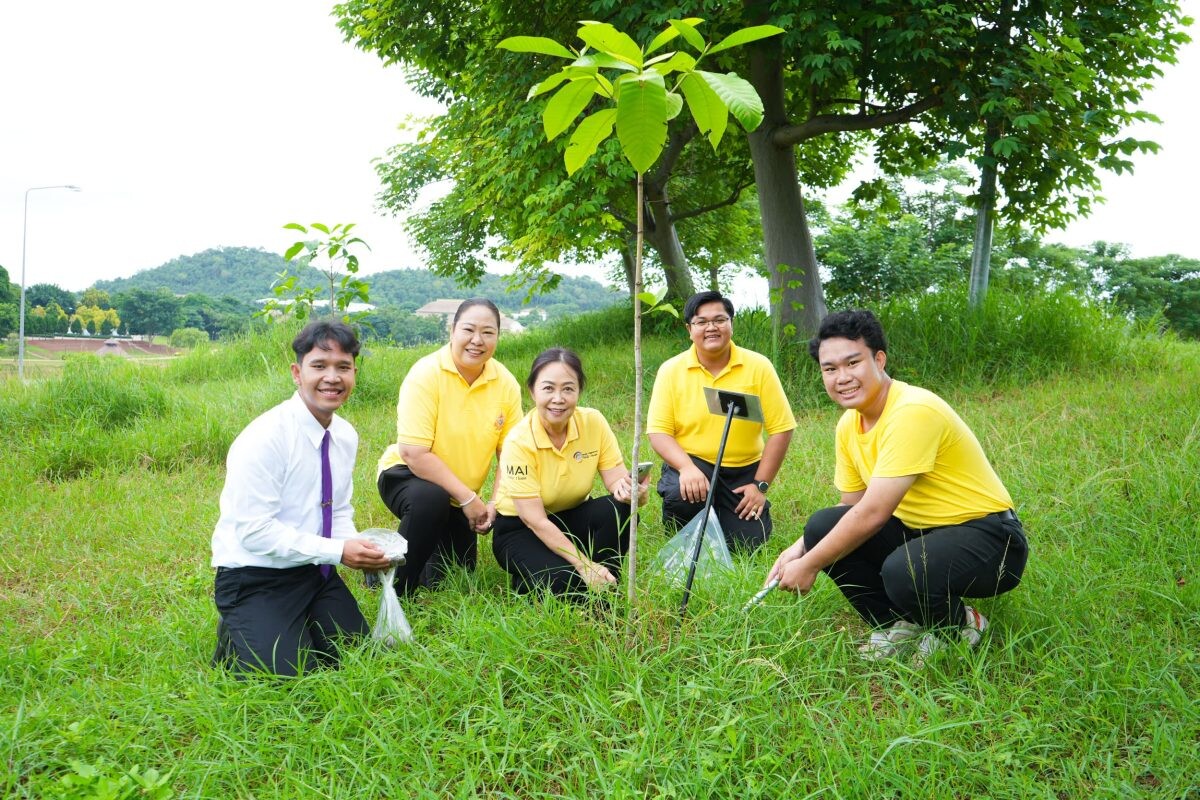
<point x="500" y="422"/>
<point x="517" y="470"/>
<point x="580" y="456"/>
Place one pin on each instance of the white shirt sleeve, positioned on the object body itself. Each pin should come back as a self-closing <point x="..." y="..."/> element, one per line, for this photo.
<point x="271" y="503"/>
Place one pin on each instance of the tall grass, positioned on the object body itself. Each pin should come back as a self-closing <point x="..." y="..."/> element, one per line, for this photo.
<point x="1085" y="686"/>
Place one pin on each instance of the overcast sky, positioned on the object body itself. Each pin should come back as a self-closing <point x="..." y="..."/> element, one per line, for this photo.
<point x="199" y="125"/>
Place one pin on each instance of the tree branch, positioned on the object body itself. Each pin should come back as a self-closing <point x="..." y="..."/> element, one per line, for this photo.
<point x="741" y="186"/>
<point x="790" y="135"/>
<point x="676" y="141"/>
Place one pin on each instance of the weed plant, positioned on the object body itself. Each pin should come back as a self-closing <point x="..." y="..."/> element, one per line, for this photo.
<point x="1084" y="687"/>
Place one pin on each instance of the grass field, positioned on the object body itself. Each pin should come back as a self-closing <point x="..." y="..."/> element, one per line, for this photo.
<point x="1086" y="686"/>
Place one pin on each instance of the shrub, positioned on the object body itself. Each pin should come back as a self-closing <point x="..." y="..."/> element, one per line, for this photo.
<point x="188" y="338"/>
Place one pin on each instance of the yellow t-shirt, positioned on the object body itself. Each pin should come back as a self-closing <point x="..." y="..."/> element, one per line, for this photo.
<point x="919" y="434"/>
<point x="531" y="466"/>
<point x="678" y="408"/>
<point x="462" y="424"/>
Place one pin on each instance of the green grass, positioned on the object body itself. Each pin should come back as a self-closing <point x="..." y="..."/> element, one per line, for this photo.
<point x="1085" y="687"/>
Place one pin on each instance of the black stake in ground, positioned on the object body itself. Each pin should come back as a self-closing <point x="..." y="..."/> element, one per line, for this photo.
<point x="712" y="489"/>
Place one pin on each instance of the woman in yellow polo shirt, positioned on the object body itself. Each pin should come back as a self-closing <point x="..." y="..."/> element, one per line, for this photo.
<point x="548" y="533"/>
<point x="456" y="406"/>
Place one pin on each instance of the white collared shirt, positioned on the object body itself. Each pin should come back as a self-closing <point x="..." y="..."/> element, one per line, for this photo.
<point x="271" y="503"/>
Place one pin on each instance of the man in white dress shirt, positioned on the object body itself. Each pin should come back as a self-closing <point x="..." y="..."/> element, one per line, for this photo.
<point x="286" y="519"/>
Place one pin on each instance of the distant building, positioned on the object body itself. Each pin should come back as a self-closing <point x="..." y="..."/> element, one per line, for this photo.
<point x="446" y="308"/>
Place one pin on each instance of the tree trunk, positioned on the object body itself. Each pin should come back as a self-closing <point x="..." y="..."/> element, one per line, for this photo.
<point x="628" y="262"/>
<point x="981" y="251"/>
<point x="631" y="560"/>
<point x="797" y="298"/>
<point x="664" y="237"/>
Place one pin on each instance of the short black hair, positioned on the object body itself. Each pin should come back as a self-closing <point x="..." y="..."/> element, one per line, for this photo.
<point x="320" y="334"/>
<point x="855" y="324"/>
<point x="476" y="301"/>
<point x="702" y="298"/>
<point x="561" y="355"/>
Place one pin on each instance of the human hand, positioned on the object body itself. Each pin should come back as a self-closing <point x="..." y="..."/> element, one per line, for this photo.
<point x="693" y="485"/>
<point x="490" y="521"/>
<point x="596" y="576"/>
<point x="643" y="490"/>
<point x="797" y="550"/>
<point x="361" y="554"/>
<point x="798" y="577"/>
<point x="622" y="491"/>
<point x="476" y="513"/>
<point x="752" y="504"/>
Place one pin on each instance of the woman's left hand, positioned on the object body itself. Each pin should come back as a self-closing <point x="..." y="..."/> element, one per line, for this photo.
<point x="485" y="524"/>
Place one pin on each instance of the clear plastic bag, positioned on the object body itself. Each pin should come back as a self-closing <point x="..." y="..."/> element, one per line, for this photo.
<point x="673" y="559"/>
<point x="391" y="626"/>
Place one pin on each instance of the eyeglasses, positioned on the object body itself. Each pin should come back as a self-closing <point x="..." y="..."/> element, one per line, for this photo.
<point x="716" y="322"/>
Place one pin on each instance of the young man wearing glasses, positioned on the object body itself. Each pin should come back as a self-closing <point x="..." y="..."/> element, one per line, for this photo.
<point x="686" y="435"/>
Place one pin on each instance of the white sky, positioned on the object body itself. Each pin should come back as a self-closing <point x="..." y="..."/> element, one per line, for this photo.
<point x="199" y="125"/>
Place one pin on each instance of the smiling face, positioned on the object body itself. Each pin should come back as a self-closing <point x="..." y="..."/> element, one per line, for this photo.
<point x="555" y="394"/>
<point x="711" y="329"/>
<point x="324" y="379"/>
<point x="853" y="376"/>
<point x="473" y="340"/>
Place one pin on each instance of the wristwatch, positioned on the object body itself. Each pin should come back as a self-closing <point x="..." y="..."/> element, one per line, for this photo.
<point x="762" y="486"/>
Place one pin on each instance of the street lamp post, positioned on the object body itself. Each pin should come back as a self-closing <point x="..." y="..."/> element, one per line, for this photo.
<point x="24" y="235"/>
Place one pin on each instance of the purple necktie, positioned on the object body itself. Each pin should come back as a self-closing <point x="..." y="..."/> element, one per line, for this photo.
<point x="326" y="500"/>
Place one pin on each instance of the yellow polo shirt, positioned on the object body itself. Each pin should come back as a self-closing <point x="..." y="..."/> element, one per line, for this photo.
<point x="678" y="408"/>
<point x="462" y="424"/>
<point x="919" y="434"/>
<point x="531" y="466"/>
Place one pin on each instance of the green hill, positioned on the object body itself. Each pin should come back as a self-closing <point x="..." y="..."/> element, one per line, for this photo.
<point x="246" y="274"/>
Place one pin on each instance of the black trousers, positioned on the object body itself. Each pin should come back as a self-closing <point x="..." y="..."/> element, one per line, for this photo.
<point x="599" y="527"/>
<point x="274" y="618"/>
<point x="922" y="575"/>
<point x="437" y="532"/>
<point x="740" y="534"/>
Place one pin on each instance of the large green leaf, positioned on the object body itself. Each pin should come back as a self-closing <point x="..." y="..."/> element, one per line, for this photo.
<point x="607" y="39"/>
<point x="565" y="106"/>
<point x="708" y="109"/>
<point x="746" y="35"/>
<point x="679" y="61"/>
<point x="604" y="61"/>
<point x="535" y="44"/>
<point x="674" y="105"/>
<point x="592" y="131"/>
<point x="687" y="29"/>
<point x="739" y="96"/>
<point x="548" y="84"/>
<point x="642" y="118"/>
<point x="658" y="41"/>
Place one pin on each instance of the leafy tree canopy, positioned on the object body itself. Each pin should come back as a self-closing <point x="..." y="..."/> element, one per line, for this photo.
<point x="43" y="294"/>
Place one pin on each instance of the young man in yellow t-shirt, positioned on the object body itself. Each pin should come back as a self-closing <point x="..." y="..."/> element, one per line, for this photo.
<point x="924" y="520"/>
<point x="686" y="435"/>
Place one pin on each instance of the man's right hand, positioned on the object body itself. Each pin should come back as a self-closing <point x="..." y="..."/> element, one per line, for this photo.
<point x="797" y="550"/>
<point x="361" y="554"/>
<point x="693" y="484"/>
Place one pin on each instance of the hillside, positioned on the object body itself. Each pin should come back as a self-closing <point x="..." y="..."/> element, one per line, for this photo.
<point x="246" y="274"/>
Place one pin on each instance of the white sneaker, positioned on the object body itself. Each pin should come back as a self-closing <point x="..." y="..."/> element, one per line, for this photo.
<point x="971" y="633"/>
<point x="887" y="642"/>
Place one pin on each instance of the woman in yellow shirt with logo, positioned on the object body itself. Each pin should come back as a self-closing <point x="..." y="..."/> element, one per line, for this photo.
<point x="456" y="406"/>
<point x="548" y="532"/>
